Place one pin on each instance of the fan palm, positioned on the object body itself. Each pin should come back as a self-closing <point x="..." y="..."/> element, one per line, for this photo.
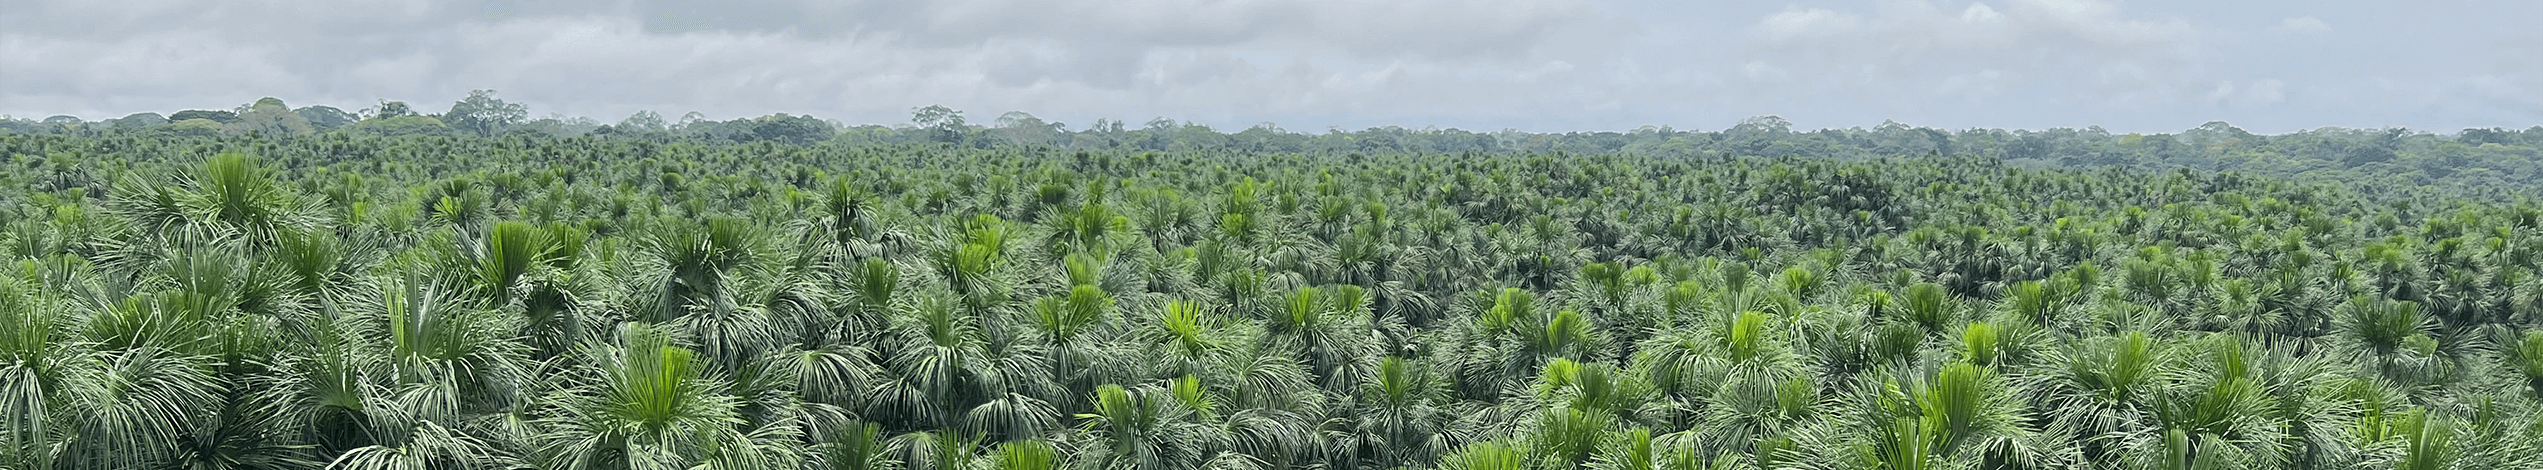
<point x="697" y="260"/>
<point x="855" y="222"/>
<point x="129" y="409"/>
<point x="1399" y="420"/>
<point x="973" y="262"/>
<point x="1486" y="456"/>
<point x="842" y="375"/>
<point x="1145" y="428"/>
<point x="321" y="266"/>
<point x="852" y="445"/>
<point x="546" y="258"/>
<point x="2525" y="358"/>
<point x="1969" y="413"/>
<point x="35" y="343"/>
<point x="1530" y="337"/>
<point x="1315" y="327"/>
<point x="436" y="357"/>
<point x="945" y="368"/>
<point x="236" y="192"/>
<point x="430" y="446"/>
<point x="2218" y="415"/>
<point x="1638" y="450"/>
<point x="873" y="287"/>
<point x="1755" y="409"/>
<point x="2428" y="442"/>
<point x="1024" y="455"/>
<point x="2106" y="392"/>
<point x="1190" y="342"/>
<point x="643" y="402"/>
<point x="2381" y="326"/>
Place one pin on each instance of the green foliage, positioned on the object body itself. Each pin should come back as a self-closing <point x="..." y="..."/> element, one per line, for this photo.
<point x="2526" y="358"/>
<point x="778" y="294"/>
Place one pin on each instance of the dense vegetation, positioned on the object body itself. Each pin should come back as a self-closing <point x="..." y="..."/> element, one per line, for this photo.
<point x="2478" y="162"/>
<point x="227" y="299"/>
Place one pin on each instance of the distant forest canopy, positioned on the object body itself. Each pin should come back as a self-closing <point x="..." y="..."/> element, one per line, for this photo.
<point x="2481" y="161"/>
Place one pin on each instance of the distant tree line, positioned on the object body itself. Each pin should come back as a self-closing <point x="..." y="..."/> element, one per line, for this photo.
<point x="2482" y="161"/>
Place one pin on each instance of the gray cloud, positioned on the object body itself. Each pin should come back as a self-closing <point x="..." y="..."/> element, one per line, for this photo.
<point x="1307" y="64"/>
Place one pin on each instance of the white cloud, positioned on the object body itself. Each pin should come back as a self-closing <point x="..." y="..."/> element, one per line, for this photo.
<point x="2256" y="93"/>
<point x="2264" y="92"/>
<point x="1761" y="71"/>
<point x="2224" y="89"/>
<point x="2500" y="86"/>
<point x="2077" y="52"/>
<point x="1976" y="86"/>
<point x="1979" y="13"/>
<point x="2099" y="22"/>
<point x="2078" y="26"/>
<point x="174" y="61"/>
<point x="1798" y="22"/>
<point x="1542" y="72"/>
<point x="2306" y="24"/>
<point x="859" y="61"/>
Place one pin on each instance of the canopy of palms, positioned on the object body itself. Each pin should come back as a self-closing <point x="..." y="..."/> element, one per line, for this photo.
<point x="626" y="302"/>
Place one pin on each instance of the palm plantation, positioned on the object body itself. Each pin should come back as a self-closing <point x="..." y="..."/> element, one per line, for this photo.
<point x="621" y="303"/>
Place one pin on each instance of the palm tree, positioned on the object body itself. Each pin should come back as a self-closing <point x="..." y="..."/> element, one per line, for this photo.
<point x="2381" y="327"/>
<point x="2105" y="392"/>
<point x="1755" y="410"/>
<point x="534" y="268"/>
<point x="1399" y="420"/>
<point x="932" y="450"/>
<point x="852" y="445"/>
<point x="320" y="266"/>
<point x="853" y="218"/>
<point x="973" y="262"/>
<point x="35" y="343"/>
<point x="836" y="375"/>
<point x="946" y="368"/>
<point x="430" y="446"/>
<point x="643" y="402"/>
<point x="697" y="260"/>
<point x="128" y="409"/>
<point x="1486" y="456"/>
<point x="2428" y="442"/>
<point x="1929" y="305"/>
<point x="1024" y="455"/>
<point x="1189" y="342"/>
<point x="235" y="192"/>
<point x="1969" y="414"/>
<point x="2219" y="416"/>
<point x="872" y="293"/>
<point x="1146" y="428"/>
<point x="1566" y="437"/>
<point x="1637" y="449"/>
<point x="2525" y="357"/>
<point x="1522" y="338"/>
<point x="1315" y="326"/>
<point x="436" y="357"/>
<point x="1077" y="334"/>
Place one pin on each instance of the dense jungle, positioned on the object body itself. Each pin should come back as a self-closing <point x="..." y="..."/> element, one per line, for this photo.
<point x="269" y="288"/>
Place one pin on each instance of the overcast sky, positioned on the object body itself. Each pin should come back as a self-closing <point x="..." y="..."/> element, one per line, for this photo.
<point x="1535" y="65"/>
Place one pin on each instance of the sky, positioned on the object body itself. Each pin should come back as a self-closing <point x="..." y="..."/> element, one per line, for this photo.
<point x="1311" y="65"/>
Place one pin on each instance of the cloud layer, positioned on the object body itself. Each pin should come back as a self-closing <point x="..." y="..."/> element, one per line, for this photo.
<point x="1478" y="64"/>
